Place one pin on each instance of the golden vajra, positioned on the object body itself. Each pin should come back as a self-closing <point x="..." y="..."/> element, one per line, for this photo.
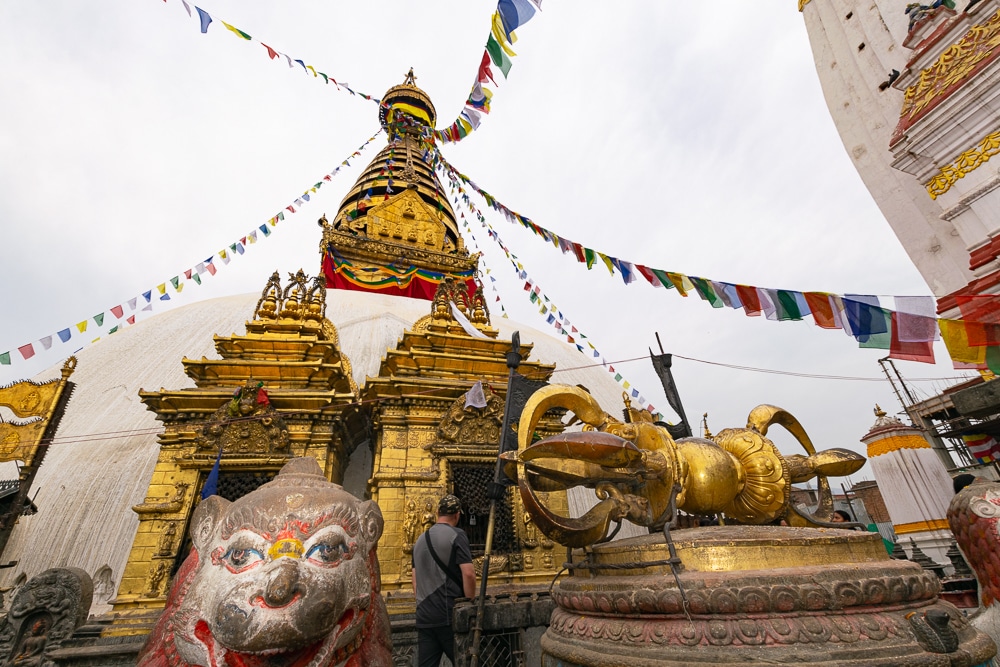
<point x="641" y="474"/>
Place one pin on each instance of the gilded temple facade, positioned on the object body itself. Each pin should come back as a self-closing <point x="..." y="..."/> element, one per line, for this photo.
<point x="285" y="389"/>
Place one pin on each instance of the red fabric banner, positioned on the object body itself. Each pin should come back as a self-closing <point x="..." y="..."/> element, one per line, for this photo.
<point x="418" y="287"/>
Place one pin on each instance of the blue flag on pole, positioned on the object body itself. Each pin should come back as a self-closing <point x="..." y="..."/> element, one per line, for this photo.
<point x="211" y="487"/>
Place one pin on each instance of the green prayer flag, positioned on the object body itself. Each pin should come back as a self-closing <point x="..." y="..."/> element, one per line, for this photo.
<point x="195" y="277"/>
<point x="99" y="319"/>
<point x="497" y="55"/>
<point x="788" y="307"/>
<point x="5" y="359"/>
<point x="662" y="277"/>
<point x="618" y="377"/>
<point x="993" y="358"/>
<point x="590" y="256"/>
<point x="113" y="329"/>
<point x="175" y="281"/>
<point x="705" y="291"/>
<point x="882" y="340"/>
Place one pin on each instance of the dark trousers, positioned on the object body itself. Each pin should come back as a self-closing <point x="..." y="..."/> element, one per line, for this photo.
<point x="432" y="642"/>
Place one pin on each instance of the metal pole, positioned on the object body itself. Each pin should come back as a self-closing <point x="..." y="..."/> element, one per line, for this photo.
<point x="513" y="361"/>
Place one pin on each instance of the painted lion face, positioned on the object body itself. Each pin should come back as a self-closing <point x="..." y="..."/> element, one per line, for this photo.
<point x="285" y="574"/>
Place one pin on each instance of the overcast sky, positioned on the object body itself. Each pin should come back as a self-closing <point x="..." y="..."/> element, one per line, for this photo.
<point x="691" y="137"/>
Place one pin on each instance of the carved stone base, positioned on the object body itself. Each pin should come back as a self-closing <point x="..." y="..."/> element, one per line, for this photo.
<point x="760" y="594"/>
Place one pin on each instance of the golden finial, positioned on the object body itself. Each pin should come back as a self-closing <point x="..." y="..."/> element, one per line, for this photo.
<point x="705" y="433"/>
<point x="411" y="78"/>
<point x="879" y="412"/>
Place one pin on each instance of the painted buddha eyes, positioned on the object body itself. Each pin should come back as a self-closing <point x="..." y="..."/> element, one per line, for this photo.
<point x="326" y="549"/>
<point x="239" y="559"/>
<point x="328" y="552"/>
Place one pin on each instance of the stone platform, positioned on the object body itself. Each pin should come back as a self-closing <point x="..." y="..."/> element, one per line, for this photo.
<point x="767" y="594"/>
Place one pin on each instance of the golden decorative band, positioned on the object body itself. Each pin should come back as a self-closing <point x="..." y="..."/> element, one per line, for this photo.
<point x="920" y="526"/>
<point x="964" y="164"/>
<point x="896" y="442"/>
<point x="803" y="3"/>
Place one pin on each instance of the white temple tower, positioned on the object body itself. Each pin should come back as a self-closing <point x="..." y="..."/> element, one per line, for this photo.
<point x="916" y="487"/>
<point x="916" y="100"/>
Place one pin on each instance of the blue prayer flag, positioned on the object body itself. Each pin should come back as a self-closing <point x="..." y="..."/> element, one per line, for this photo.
<point x="205" y="19"/>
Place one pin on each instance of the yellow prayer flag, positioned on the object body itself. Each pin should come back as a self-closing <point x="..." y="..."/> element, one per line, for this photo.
<point x="681" y="282"/>
<point x="180" y="286"/>
<point x="501" y="35"/>
<point x="310" y="68"/>
<point x="956" y="339"/>
<point x="236" y="31"/>
<point x="607" y="262"/>
<point x="81" y="326"/>
<point x="222" y="254"/>
<point x="162" y="288"/>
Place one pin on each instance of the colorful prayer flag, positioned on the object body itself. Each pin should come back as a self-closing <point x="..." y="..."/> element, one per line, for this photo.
<point x="236" y="31"/>
<point x="909" y="350"/>
<point x="984" y="447"/>
<point x="204" y="18"/>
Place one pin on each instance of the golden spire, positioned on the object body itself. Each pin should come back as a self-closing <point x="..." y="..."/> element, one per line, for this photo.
<point x="397" y="216"/>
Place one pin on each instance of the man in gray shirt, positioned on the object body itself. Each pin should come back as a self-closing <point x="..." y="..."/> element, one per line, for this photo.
<point x="442" y="571"/>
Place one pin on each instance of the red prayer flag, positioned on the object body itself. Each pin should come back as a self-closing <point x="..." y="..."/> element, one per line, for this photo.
<point x="922" y="352"/>
<point x="981" y="334"/>
<point x="270" y="52"/>
<point x="131" y="319"/>
<point x="750" y="300"/>
<point x="822" y="311"/>
<point x="211" y="267"/>
<point x="485" y="74"/>
<point x="648" y="275"/>
<point x="27" y="351"/>
<point x="117" y="311"/>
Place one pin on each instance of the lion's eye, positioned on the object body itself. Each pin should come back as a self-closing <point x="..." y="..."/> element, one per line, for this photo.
<point x="326" y="552"/>
<point x="242" y="558"/>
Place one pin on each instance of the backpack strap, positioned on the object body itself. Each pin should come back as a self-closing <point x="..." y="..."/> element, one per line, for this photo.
<point x="440" y="563"/>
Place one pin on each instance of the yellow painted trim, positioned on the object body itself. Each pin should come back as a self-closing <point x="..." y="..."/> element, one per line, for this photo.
<point x="964" y="164"/>
<point x="920" y="526"/>
<point x="896" y="442"/>
<point x="803" y="3"/>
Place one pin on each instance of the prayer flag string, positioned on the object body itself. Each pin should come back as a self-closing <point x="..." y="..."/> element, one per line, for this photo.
<point x="205" y="20"/>
<point x="907" y="331"/>
<point x="509" y="15"/>
<point x="145" y="301"/>
<point x="546" y="307"/>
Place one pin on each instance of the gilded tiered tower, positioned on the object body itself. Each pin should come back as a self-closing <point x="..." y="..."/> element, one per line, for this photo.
<point x="395" y="232"/>
<point x="285" y="388"/>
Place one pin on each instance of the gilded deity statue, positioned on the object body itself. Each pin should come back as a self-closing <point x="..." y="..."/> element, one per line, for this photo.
<point x="409" y="526"/>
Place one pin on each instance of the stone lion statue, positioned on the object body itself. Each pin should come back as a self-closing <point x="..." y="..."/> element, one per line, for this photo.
<point x="286" y="575"/>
